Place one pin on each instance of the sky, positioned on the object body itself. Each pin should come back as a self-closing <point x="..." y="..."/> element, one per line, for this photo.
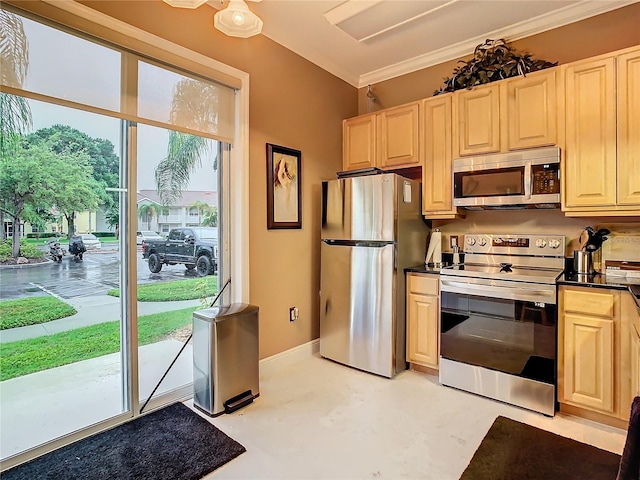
<point x="83" y="72"/>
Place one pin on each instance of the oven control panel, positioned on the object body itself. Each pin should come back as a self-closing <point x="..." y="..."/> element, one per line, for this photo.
<point x="512" y="244"/>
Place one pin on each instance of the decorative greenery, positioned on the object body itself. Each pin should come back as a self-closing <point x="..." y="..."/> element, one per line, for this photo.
<point x="492" y="60"/>
<point x="27" y="250"/>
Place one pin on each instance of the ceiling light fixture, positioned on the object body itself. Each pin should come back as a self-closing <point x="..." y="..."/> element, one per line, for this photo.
<point x="237" y="20"/>
<point x="185" y="3"/>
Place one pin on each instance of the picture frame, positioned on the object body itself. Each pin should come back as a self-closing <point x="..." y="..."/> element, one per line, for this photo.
<point x="284" y="187"/>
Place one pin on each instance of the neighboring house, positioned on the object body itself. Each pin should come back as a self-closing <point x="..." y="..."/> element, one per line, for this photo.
<point x="85" y="222"/>
<point x="181" y="213"/>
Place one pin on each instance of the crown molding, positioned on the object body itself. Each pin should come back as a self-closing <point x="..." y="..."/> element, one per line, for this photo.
<point x="542" y="23"/>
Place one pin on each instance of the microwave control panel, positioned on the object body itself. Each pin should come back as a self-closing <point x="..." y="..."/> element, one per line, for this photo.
<point x="546" y="179"/>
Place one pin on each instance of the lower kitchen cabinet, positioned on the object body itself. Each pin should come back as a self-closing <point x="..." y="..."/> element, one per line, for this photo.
<point x="423" y="320"/>
<point x="595" y="352"/>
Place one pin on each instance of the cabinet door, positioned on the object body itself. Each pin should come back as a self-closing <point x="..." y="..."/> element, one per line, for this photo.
<point x="629" y="129"/>
<point x="531" y="104"/>
<point x="422" y="329"/>
<point x="437" y="181"/>
<point x="398" y="137"/>
<point x="588" y="362"/>
<point x="635" y="362"/>
<point x="478" y="120"/>
<point x="359" y="142"/>
<point x="590" y="153"/>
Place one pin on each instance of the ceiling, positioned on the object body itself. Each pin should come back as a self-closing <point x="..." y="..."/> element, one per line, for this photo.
<point x="368" y="41"/>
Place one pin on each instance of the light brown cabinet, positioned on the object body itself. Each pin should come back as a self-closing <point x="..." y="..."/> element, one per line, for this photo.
<point x="602" y="135"/>
<point x="387" y="139"/>
<point x="477" y="120"/>
<point x="359" y="142"/>
<point x="437" y="157"/>
<point x="512" y="114"/>
<point x="423" y="319"/>
<point x="594" y="351"/>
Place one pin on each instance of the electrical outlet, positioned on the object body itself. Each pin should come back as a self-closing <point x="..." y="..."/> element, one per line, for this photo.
<point x="293" y="314"/>
<point x="453" y="241"/>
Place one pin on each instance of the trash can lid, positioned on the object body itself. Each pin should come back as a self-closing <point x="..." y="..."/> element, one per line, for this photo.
<point x="219" y="314"/>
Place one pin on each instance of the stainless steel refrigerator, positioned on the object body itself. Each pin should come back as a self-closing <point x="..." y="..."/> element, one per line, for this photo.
<point x="372" y="228"/>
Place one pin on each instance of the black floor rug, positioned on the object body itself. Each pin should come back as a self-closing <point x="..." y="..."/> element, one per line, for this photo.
<point x="173" y="443"/>
<point x="512" y="450"/>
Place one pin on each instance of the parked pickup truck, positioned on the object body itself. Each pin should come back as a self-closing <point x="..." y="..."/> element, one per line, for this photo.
<point x="195" y="247"/>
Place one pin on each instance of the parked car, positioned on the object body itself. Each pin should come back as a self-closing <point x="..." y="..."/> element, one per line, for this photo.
<point x="195" y="247"/>
<point x="146" y="235"/>
<point x="90" y="241"/>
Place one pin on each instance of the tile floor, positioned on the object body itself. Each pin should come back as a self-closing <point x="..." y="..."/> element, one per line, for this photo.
<point x="316" y="419"/>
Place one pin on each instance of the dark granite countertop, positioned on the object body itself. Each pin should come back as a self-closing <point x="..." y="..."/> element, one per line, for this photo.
<point x="423" y="269"/>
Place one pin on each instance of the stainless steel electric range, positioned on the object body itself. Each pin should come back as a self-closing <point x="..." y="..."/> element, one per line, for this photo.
<point x="499" y="319"/>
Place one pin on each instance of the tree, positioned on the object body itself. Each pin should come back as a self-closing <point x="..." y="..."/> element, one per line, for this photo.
<point x="194" y="105"/>
<point x="34" y="179"/>
<point x="75" y="190"/>
<point x="15" y="114"/>
<point x="104" y="162"/>
<point x="202" y="207"/>
<point x="147" y="211"/>
<point x="184" y="153"/>
<point x="210" y="218"/>
<point x="23" y="182"/>
<point x="112" y="217"/>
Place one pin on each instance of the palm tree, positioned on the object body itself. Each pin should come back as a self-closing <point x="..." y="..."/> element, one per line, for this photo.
<point x="15" y="114"/>
<point x="147" y="211"/>
<point x="202" y="207"/>
<point x="185" y="151"/>
<point x="210" y="218"/>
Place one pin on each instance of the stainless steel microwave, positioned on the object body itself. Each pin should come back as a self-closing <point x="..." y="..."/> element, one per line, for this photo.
<point x="524" y="179"/>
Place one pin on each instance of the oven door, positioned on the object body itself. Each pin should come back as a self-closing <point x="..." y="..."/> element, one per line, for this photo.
<point x="504" y="326"/>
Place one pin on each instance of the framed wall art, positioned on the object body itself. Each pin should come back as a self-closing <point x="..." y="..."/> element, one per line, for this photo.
<point x="284" y="187"/>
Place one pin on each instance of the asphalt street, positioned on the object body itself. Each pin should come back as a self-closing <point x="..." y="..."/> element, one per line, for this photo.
<point x="95" y="275"/>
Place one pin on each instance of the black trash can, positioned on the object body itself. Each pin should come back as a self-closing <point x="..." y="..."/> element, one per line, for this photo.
<point x="225" y="358"/>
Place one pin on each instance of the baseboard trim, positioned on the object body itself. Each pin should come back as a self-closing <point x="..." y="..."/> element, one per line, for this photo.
<point x="288" y="357"/>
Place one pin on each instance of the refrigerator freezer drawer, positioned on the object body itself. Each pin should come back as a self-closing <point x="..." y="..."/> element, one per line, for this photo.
<point x="357" y="311"/>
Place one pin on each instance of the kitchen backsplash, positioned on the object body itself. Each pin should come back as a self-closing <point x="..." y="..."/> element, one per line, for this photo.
<point x="624" y="240"/>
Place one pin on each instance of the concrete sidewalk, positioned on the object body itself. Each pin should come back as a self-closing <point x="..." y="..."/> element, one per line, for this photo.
<point x="91" y="311"/>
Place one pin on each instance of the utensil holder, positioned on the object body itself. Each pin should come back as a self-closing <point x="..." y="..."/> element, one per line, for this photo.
<point x="587" y="263"/>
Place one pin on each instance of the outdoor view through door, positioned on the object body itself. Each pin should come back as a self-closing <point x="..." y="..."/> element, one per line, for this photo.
<point x="130" y="178"/>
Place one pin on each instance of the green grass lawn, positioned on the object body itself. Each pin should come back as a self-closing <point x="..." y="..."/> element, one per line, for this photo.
<point x="32" y="311"/>
<point x="189" y="289"/>
<point x="33" y="355"/>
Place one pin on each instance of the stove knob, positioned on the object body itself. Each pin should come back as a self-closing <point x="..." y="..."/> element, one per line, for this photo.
<point x="554" y="243"/>
<point x="541" y="243"/>
<point x="471" y="241"/>
<point x="482" y="241"/>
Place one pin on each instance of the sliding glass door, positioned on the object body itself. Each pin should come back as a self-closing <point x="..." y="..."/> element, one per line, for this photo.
<point x="122" y="152"/>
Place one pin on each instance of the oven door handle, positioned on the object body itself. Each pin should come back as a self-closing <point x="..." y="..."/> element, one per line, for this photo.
<point x="480" y="288"/>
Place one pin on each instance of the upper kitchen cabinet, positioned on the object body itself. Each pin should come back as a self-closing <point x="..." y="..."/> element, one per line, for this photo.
<point x="512" y="114"/>
<point x="398" y="137"/>
<point x="477" y="120"/>
<point x="359" y="142"/>
<point x="629" y="128"/>
<point x="602" y="135"/>
<point x="436" y="142"/>
<point x="387" y="139"/>
<point x="532" y="110"/>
